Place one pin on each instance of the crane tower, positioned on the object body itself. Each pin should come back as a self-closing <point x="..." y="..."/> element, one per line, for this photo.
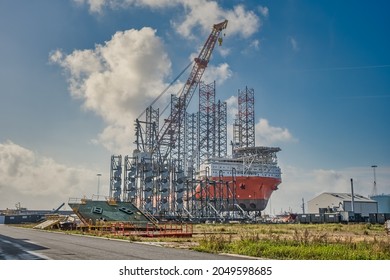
<point x="174" y="124"/>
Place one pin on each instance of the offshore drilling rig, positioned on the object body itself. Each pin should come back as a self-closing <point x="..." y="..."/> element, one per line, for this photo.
<point x="181" y="169"/>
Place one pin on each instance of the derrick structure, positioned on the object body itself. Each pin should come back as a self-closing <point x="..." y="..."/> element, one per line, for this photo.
<point x="212" y="127"/>
<point x="221" y="129"/>
<point x="237" y="134"/>
<point x="207" y="122"/>
<point x="177" y="138"/>
<point x="192" y="143"/>
<point x="244" y="125"/>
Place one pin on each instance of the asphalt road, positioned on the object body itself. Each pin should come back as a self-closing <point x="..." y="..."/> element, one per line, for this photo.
<point x="29" y="244"/>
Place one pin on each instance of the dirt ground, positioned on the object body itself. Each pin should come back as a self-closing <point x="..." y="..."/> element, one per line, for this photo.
<point x="303" y="232"/>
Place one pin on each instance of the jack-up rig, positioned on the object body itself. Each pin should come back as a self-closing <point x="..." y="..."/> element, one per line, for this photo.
<point x="182" y="171"/>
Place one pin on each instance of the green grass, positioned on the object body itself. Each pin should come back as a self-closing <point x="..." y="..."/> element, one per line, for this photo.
<point x="310" y="243"/>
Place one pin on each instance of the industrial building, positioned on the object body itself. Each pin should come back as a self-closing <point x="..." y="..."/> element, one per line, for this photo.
<point x="342" y="202"/>
<point x="383" y="202"/>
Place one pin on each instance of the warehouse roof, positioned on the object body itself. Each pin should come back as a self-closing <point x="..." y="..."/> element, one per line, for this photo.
<point x="348" y="197"/>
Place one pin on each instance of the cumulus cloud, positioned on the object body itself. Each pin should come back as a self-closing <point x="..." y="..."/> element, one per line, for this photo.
<point x="39" y="182"/>
<point x="265" y="134"/>
<point x="205" y="13"/>
<point x="269" y="135"/>
<point x="232" y="107"/>
<point x="219" y="73"/>
<point x="199" y="13"/>
<point x="117" y="80"/>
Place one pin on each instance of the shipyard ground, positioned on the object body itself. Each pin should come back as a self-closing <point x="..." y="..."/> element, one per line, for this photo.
<point x="31" y="244"/>
<point x="269" y="241"/>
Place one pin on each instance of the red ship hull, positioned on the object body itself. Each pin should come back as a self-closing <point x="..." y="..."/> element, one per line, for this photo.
<point x="251" y="193"/>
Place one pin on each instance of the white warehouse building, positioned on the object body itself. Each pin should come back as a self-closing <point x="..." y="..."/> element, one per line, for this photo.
<point x="342" y="202"/>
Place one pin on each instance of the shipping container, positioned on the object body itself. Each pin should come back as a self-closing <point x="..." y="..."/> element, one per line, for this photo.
<point x="372" y="218"/>
<point x="380" y="218"/>
<point x="304" y="218"/>
<point x="332" y="217"/>
<point x="358" y="218"/>
<point x="317" y="218"/>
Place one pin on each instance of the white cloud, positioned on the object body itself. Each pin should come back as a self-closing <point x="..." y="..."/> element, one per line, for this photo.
<point x="294" y="44"/>
<point x="232" y="111"/>
<point x="95" y="6"/>
<point x="264" y="11"/>
<point x="224" y="52"/>
<point x="269" y="135"/>
<point x="242" y="22"/>
<point x="117" y="80"/>
<point x="255" y="44"/>
<point x="199" y="13"/>
<point x="218" y="73"/>
<point x="205" y="13"/>
<point x="265" y="134"/>
<point x="329" y="180"/>
<point x="39" y="182"/>
<point x="232" y="107"/>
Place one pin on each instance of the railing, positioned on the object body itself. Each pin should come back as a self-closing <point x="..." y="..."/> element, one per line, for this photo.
<point x="148" y="230"/>
<point x="150" y="217"/>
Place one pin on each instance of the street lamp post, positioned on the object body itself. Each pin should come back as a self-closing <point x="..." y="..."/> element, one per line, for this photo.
<point x="98" y="185"/>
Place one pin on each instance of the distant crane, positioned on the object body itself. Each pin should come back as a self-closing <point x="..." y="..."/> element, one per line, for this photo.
<point x="374" y="188"/>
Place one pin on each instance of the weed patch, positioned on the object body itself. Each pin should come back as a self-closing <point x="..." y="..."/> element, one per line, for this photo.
<point x="301" y="244"/>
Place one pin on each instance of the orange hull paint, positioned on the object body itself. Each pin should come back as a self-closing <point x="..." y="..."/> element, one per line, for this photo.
<point x="251" y="192"/>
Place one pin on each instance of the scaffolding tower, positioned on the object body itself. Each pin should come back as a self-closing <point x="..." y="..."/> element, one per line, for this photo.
<point x="130" y="187"/>
<point x="177" y="142"/>
<point x="152" y="123"/>
<point x="221" y="129"/>
<point x="116" y="177"/>
<point x="191" y="143"/>
<point x="207" y="127"/>
<point x="246" y="119"/>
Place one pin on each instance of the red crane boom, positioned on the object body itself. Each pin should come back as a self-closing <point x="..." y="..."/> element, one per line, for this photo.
<point x="169" y="132"/>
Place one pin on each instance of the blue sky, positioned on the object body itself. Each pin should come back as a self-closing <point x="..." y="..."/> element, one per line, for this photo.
<point x="75" y="74"/>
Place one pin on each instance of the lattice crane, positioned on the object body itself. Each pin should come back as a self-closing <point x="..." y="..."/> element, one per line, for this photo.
<point x="169" y="132"/>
